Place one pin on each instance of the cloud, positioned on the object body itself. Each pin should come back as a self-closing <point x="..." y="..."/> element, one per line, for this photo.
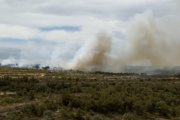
<point x="26" y="33"/>
<point x="33" y="53"/>
<point x="63" y="26"/>
<point x="6" y="52"/>
<point x="23" y="19"/>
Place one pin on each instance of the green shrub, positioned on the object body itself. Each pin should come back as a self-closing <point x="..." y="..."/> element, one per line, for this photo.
<point x="96" y="117"/>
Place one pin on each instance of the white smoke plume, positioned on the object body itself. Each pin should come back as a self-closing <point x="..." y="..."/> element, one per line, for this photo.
<point x="94" y="54"/>
<point x="152" y="42"/>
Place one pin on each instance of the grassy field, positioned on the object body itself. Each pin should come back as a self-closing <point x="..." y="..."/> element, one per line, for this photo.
<point x="34" y="94"/>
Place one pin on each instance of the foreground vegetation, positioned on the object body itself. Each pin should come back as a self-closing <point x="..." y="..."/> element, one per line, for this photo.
<point x="91" y="96"/>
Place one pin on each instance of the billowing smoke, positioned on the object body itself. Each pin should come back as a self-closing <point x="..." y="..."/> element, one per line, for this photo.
<point x="151" y="42"/>
<point x="154" y="42"/>
<point x="94" y="55"/>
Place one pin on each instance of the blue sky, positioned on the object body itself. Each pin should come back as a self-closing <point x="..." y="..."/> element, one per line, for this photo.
<point x="65" y="28"/>
<point x="12" y="40"/>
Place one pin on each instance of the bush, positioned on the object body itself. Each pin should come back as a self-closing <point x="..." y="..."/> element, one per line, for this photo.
<point x="14" y="116"/>
<point x="96" y="117"/>
<point x="128" y="116"/>
<point x="79" y="114"/>
<point x="64" y="114"/>
<point x="47" y="115"/>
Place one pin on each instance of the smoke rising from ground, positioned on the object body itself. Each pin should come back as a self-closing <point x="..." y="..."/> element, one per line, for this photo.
<point x="94" y="55"/>
<point x="151" y="42"/>
<point x="154" y="42"/>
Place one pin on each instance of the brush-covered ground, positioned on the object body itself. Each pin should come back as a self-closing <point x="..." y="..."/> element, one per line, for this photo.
<point x="44" y="95"/>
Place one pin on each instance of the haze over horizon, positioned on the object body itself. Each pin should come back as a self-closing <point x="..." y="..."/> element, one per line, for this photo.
<point x="90" y="34"/>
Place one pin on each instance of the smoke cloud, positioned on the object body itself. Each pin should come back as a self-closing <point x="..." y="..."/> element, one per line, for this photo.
<point x="152" y="42"/>
<point x="94" y="55"/>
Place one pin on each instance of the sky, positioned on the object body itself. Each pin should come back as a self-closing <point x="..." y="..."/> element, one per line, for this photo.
<point x="48" y="30"/>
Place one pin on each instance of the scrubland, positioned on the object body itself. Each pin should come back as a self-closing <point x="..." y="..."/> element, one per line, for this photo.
<point x="33" y="94"/>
